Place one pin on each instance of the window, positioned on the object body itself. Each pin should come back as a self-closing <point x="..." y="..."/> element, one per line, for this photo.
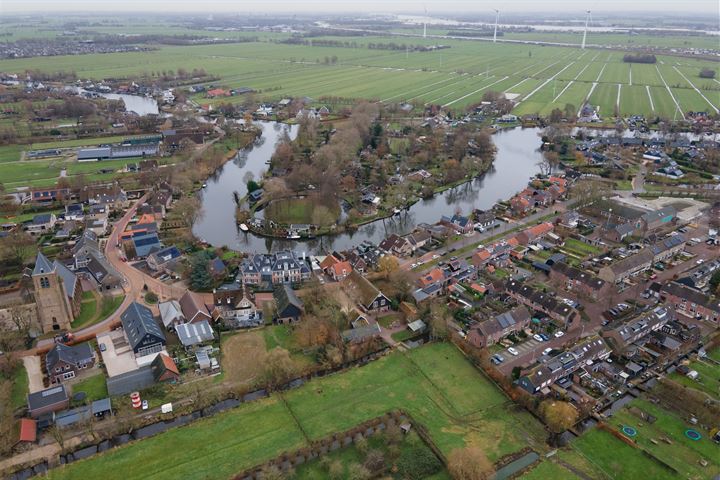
<point x="44" y="282"/>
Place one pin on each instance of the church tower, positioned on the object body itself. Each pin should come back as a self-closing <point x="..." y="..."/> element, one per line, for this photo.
<point x="53" y="304"/>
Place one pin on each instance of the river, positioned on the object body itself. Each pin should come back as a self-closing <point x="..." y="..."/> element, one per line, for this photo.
<point x="135" y="103"/>
<point x="515" y="162"/>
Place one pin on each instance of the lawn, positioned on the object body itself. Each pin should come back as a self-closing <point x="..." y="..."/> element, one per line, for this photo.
<point x="94" y="387"/>
<point x="88" y="310"/>
<point x="708" y="380"/>
<point x="18" y="394"/>
<point x="243" y="355"/>
<point x="302" y="211"/>
<point x="581" y="248"/>
<point x="434" y="383"/>
<point x="549" y="469"/>
<point x="684" y="454"/>
<point x="618" y="460"/>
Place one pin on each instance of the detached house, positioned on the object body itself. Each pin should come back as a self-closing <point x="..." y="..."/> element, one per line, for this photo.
<point x="367" y="295"/>
<point x="289" y="308"/>
<point x="193" y="309"/>
<point x="458" y="223"/>
<point x="63" y="362"/>
<point x="142" y="331"/>
<point x="396" y="245"/>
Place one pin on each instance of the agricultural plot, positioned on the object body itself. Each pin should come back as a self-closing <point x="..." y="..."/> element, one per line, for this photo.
<point x="681" y="453"/>
<point x="435" y="384"/>
<point x="634" y="100"/>
<point x="455" y="77"/>
<point x="618" y="460"/>
<point x="605" y="97"/>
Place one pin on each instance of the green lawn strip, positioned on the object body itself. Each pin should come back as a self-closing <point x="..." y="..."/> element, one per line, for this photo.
<point x="299" y="211"/>
<point x="88" y="311"/>
<point x="618" y="460"/>
<point x="109" y="305"/>
<point x="94" y="387"/>
<point x="278" y="336"/>
<point x="211" y="448"/>
<point x="18" y="394"/>
<point x="708" y="380"/>
<point x="581" y="248"/>
<point x="549" y="469"/>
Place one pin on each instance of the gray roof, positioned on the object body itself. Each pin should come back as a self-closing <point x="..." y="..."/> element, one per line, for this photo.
<point x="361" y="333"/>
<point x="73" y="416"/>
<point x="170" y="311"/>
<point x="42" y="218"/>
<point x="195" y="333"/>
<point x="68" y="278"/>
<point x="69" y="354"/>
<point x="138" y="321"/>
<point x="45" y="398"/>
<point x="100" y="406"/>
<point x="42" y="265"/>
<point x="130" y="381"/>
<point x="88" y="153"/>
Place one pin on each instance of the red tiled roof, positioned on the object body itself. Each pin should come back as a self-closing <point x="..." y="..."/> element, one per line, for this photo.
<point x="341" y="268"/>
<point x="328" y="262"/>
<point x="28" y="430"/>
<point x="169" y="364"/>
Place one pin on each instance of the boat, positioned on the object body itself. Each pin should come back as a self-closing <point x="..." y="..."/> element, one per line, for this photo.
<point x="293" y="235"/>
<point x="204" y="185"/>
<point x="396" y="211"/>
<point x="244" y="227"/>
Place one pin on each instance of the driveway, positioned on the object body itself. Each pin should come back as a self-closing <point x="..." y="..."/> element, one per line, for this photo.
<point x="34" y="373"/>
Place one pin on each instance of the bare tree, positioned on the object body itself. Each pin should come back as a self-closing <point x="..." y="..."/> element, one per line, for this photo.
<point x="469" y="463"/>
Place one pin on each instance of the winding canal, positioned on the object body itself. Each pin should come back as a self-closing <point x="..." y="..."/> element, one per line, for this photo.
<point x="516" y="161"/>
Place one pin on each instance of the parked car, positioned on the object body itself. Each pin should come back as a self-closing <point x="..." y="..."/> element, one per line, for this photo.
<point x="559" y="334"/>
<point x="547" y="350"/>
<point x="513" y="352"/>
<point x="537" y="337"/>
<point x="544" y="337"/>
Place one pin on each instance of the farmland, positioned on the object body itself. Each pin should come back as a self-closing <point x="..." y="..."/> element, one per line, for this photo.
<point x="435" y="384"/>
<point x="545" y="77"/>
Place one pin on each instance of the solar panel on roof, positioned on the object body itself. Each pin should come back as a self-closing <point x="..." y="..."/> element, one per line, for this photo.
<point x="51" y="391"/>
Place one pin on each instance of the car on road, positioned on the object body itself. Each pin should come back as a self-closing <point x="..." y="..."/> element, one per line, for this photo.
<point x="435" y="256"/>
<point x="497" y="359"/>
<point x="537" y="337"/>
<point x="513" y="352"/>
<point x="559" y="334"/>
<point x="700" y="261"/>
<point x="413" y="265"/>
<point x="547" y="350"/>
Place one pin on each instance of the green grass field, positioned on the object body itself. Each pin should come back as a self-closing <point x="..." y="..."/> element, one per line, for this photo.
<point x="455" y="77"/>
<point x="618" y="460"/>
<point x="708" y="380"/>
<point x="300" y="211"/>
<point x="435" y="384"/>
<point x="684" y="454"/>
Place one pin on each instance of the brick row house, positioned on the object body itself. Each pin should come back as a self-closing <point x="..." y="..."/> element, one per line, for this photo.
<point x="691" y="302"/>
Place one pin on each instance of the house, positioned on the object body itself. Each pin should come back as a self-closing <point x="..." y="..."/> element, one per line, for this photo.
<point x="365" y="294"/>
<point x="74" y="212"/>
<point x="431" y="291"/>
<point x="216" y="268"/>
<point x="145" y="244"/>
<point x="533" y="233"/>
<point x="163" y="258"/>
<point x="491" y="331"/>
<point x="192" y="334"/>
<point x="42" y="223"/>
<point x="484" y="219"/>
<point x="163" y="369"/>
<point x="49" y="400"/>
<point x="691" y="302"/>
<point x="193" y="309"/>
<point x="63" y="362"/>
<point x="436" y="275"/>
<point x="90" y="263"/>
<point x="289" y="308"/>
<point x="340" y="270"/>
<point x="540" y="378"/>
<point x="142" y="331"/>
<point x="576" y="280"/>
<point x="418" y="239"/>
<point x="236" y="306"/>
<point x="621" y="270"/>
<point x="543" y="302"/>
<point x="171" y="314"/>
<point x="458" y="223"/>
<point x="49" y="195"/>
<point x="26" y="431"/>
<point x="275" y="268"/>
<point x="622" y="336"/>
<point x="618" y="233"/>
<point x="667" y="248"/>
<point x="361" y="334"/>
<point x="396" y="245"/>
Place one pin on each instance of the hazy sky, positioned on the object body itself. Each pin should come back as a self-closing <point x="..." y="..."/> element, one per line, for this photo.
<point x="410" y="6"/>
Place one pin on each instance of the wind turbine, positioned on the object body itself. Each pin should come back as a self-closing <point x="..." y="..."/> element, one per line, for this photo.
<point x="497" y="18"/>
<point x="587" y="20"/>
<point x="425" y="23"/>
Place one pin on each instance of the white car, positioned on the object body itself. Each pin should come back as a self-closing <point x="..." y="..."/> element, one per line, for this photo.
<point x="538" y="337"/>
<point x="435" y="256"/>
<point x="413" y="265"/>
<point x="144" y="404"/>
<point x="512" y="351"/>
<point x="547" y="350"/>
<point x="559" y="334"/>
